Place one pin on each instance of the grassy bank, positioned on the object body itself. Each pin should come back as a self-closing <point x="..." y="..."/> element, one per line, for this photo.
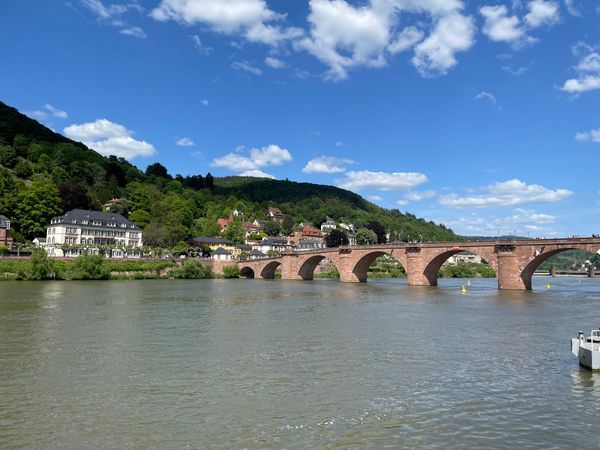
<point x="39" y="267"/>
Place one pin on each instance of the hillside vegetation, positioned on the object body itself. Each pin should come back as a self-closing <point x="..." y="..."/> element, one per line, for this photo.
<point x="44" y="174"/>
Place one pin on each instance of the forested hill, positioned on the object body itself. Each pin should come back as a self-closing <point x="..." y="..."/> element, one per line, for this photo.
<point x="43" y="174"/>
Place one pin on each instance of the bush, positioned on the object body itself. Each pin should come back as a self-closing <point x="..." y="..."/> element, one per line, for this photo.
<point x="89" y="267"/>
<point x="3" y="250"/>
<point x="192" y="270"/>
<point x="39" y="267"/>
<point x="231" y="272"/>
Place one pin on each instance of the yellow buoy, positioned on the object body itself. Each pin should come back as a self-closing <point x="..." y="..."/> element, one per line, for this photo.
<point x="548" y="286"/>
<point x="468" y="282"/>
<point x="463" y="290"/>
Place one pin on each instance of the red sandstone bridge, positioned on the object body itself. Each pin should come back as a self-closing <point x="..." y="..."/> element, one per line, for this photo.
<point x="514" y="261"/>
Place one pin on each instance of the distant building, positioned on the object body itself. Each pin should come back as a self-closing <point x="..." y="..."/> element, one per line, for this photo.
<point x="307" y="233"/>
<point x="328" y="225"/>
<point x="256" y="254"/>
<point x="221" y="254"/>
<point x="80" y="231"/>
<point x="272" y="245"/>
<point x="39" y="242"/>
<point x="5" y="240"/>
<point x="275" y="214"/>
<point x="309" y="245"/>
<point x="464" y="257"/>
<point x="250" y="228"/>
<point x="223" y="224"/>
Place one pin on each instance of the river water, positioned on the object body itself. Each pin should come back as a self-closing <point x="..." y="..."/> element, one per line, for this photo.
<point x="271" y="364"/>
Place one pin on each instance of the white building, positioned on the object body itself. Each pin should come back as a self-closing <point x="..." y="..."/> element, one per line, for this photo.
<point x="464" y="257"/>
<point x="272" y="245"/>
<point x="80" y="231"/>
<point x="328" y="225"/>
<point x="221" y="254"/>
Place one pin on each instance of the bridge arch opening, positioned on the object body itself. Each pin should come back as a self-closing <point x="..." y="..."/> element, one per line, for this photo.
<point x="378" y="264"/>
<point x="268" y="272"/>
<point x="308" y="268"/>
<point x="577" y="262"/>
<point x="461" y="264"/>
<point x="247" y="272"/>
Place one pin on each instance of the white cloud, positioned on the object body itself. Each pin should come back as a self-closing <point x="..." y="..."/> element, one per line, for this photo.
<point x="499" y="26"/>
<point x="113" y="15"/>
<point x="382" y="181"/>
<point x="256" y="173"/>
<point x="202" y="49"/>
<point x="589" y="63"/>
<point x="204" y="102"/>
<point x="246" y="66"/>
<point x="55" y="111"/>
<point x="185" y="142"/>
<point x="133" y="31"/>
<point x="529" y="216"/>
<point x="453" y="33"/>
<point x="248" y="18"/>
<point x="588" y="70"/>
<point x="271" y="155"/>
<point x="375" y="198"/>
<point x="542" y="12"/>
<point x="327" y="164"/>
<point x="572" y="9"/>
<point x="484" y="95"/>
<point x="419" y="196"/>
<point x="343" y="36"/>
<point x="508" y="193"/>
<point x="405" y="40"/>
<point x="402" y="202"/>
<point x="274" y="63"/>
<point x="577" y="86"/>
<point x="516" y="72"/>
<point x="109" y="138"/>
<point x="589" y="136"/>
<point x="48" y="111"/>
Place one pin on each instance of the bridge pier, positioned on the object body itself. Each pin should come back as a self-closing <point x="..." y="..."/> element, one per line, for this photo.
<point x="591" y="272"/>
<point x="509" y="269"/>
<point x="553" y="272"/>
<point x="415" y="270"/>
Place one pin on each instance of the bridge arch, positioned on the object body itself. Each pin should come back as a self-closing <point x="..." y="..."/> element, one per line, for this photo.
<point x="435" y="264"/>
<point x="307" y="268"/>
<point x="526" y="274"/>
<point x="361" y="268"/>
<point x="247" y="272"/>
<point x="268" y="272"/>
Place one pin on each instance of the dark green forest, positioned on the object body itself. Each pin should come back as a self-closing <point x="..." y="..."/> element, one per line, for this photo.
<point x="44" y="174"/>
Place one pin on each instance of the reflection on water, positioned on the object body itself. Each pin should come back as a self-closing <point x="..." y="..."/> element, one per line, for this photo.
<point x="272" y="364"/>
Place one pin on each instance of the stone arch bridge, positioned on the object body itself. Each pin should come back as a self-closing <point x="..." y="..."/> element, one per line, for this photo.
<point x="514" y="261"/>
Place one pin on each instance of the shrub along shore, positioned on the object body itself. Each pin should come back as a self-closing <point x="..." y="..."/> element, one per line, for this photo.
<point x="94" y="267"/>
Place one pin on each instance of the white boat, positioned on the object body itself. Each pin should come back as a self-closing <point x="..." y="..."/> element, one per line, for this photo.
<point x="587" y="349"/>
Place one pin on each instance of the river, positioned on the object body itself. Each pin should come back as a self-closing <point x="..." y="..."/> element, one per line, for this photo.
<point x="272" y="364"/>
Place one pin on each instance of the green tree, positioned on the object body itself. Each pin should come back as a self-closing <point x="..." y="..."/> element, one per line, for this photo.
<point x="39" y="267"/>
<point x="23" y="169"/>
<point x="35" y="206"/>
<point x="140" y="217"/>
<point x="235" y="231"/>
<point x="8" y="156"/>
<point x="89" y="267"/>
<point x="336" y="238"/>
<point x="364" y="236"/>
<point x="379" y="230"/>
<point x="272" y="228"/>
<point x="231" y="271"/>
<point x="157" y="170"/>
<point x="287" y="225"/>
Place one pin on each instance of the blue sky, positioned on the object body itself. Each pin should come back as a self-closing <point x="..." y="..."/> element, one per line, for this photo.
<point x="483" y="116"/>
